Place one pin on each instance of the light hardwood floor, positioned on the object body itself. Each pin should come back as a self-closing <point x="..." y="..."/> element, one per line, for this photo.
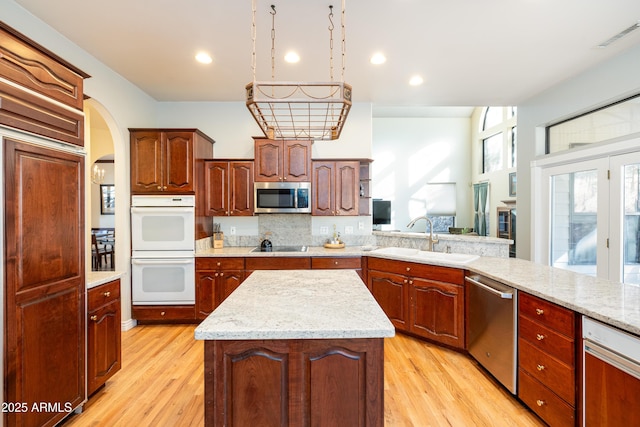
<point x="161" y="384"/>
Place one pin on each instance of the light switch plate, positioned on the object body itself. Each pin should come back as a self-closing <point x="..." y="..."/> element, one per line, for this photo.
<point x="324" y="230"/>
<point x="232" y="230"/>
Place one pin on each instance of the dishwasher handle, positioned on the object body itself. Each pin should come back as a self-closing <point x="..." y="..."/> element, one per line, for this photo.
<point x="497" y="292"/>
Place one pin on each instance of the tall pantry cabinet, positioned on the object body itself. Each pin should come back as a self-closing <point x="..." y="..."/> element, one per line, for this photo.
<point x="43" y="233"/>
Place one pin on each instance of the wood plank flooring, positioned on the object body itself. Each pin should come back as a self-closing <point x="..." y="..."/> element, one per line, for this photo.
<point x="161" y="384"/>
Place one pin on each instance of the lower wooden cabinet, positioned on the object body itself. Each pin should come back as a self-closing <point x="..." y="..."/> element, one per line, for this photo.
<point x="298" y="382"/>
<point x="164" y="313"/>
<point x="216" y="278"/>
<point x="424" y="300"/>
<point x="547" y="359"/>
<point x="103" y="334"/>
<point x="338" y="263"/>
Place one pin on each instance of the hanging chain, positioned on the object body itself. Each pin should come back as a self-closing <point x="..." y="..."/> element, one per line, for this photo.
<point x="331" y="42"/>
<point x="273" y="42"/>
<point x="344" y="45"/>
<point x="253" y="38"/>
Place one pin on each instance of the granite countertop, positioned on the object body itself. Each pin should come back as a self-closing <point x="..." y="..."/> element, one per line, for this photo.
<point x="97" y="278"/>
<point x="614" y="303"/>
<point x="245" y="251"/>
<point x="298" y="304"/>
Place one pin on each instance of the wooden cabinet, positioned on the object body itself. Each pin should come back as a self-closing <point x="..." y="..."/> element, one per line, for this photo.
<point x="365" y="187"/>
<point x="328" y="382"/>
<point x="46" y="78"/>
<point x="424" y="300"/>
<point x="164" y="313"/>
<point x="337" y="263"/>
<point x="164" y="160"/>
<point x="335" y="188"/>
<point x="216" y="278"/>
<point x="282" y="160"/>
<point x="547" y="359"/>
<point x="277" y="263"/>
<point x="103" y="334"/>
<point x="228" y="188"/>
<point x="44" y="279"/>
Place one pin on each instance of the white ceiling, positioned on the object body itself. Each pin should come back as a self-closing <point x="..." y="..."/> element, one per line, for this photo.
<point x="470" y="52"/>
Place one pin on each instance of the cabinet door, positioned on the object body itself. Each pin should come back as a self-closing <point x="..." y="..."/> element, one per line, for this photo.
<point x="228" y="281"/>
<point x="323" y="192"/>
<point x="178" y="162"/>
<point x="146" y="162"/>
<point x="44" y="294"/>
<point x="241" y="188"/>
<point x="437" y="311"/>
<point x="296" y="160"/>
<point x="391" y="292"/>
<point x="103" y="346"/>
<point x="205" y="293"/>
<point x="216" y="188"/>
<point x="268" y="160"/>
<point x="347" y="182"/>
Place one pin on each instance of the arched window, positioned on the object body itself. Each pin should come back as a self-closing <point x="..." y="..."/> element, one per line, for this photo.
<point x="499" y="138"/>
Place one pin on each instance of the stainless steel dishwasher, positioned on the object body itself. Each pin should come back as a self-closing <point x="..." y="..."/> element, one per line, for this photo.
<point x="492" y="328"/>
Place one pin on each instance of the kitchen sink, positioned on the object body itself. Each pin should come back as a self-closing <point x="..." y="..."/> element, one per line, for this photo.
<point x="426" y="256"/>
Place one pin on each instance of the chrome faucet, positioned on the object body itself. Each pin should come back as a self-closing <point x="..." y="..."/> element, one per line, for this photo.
<point x="432" y="240"/>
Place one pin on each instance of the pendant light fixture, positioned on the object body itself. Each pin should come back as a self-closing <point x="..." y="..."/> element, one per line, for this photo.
<point x="297" y="109"/>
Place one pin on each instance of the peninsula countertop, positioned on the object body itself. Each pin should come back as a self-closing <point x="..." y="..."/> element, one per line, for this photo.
<point x="298" y="304"/>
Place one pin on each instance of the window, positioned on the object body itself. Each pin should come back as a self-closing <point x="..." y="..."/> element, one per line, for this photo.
<point x="499" y="138"/>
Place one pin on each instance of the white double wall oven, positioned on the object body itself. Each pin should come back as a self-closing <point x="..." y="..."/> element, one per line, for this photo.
<point x="163" y="250"/>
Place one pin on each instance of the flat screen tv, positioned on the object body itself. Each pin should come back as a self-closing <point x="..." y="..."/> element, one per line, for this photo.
<point x="381" y="212"/>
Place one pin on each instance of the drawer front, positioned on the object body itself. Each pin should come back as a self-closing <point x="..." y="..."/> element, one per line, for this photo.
<point x="278" y="263"/>
<point x="103" y="294"/>
<point x="336" y="262"/>
<point x="553" y="410"/>
<point x="553" y="316"/>
<point x="413" y="269"/>
<point x="557" y="376"/>
<point x="157" y="313"/>
<point x="547" y="340"/>
<point x="220" y="263"/>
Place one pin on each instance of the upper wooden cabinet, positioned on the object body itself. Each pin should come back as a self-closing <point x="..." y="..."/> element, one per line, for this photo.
<point x="164" y="160"/>
<point x="336" y="188"/>
<point x="282" y="161"/>
<point x="229" y="188"/>
<point x="31" y="68"/>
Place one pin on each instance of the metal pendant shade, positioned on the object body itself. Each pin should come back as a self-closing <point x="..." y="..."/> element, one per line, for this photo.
<point x="299" y="110"/>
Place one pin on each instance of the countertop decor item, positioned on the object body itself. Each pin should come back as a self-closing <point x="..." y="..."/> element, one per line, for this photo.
<point x="334" y="245"/>
<point x="296" y="109"/>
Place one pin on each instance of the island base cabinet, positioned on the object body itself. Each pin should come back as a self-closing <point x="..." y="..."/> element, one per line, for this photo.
<point x="297" y="382"/>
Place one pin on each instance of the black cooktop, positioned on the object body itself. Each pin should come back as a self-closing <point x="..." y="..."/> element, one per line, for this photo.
<point x="282" y="249"/>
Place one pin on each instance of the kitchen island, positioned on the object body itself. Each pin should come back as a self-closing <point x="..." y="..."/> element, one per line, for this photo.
<point x="296" y="347"/>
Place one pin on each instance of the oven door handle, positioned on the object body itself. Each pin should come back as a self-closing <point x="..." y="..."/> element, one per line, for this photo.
<point x="503" y="295"/>
<point x="157" y="261"/>
<point x="156" y="210"/>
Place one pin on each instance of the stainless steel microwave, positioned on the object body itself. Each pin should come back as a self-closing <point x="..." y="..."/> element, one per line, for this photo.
<point x="282" y="197"/>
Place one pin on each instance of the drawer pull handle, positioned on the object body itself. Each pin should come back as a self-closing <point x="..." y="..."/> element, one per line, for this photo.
<point x="94" y="317"/>
<point x="162" y="313"/>
<point x="540" y="402"/>
<point x="408" y="268"/>
<point x="539" y="311"/>
<point x="107" y="294"/>
<point x="539" y="337"/>
<point x="540" y="367"/>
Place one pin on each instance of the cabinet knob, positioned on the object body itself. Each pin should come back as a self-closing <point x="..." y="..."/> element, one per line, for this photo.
<point x="539" y="337"/>
<point x="408" y="268"/>
<point x="162" y="313"/>
<point x="539" y="311"/>
<point x="540" y="402"/>
<point x="160" y="187"/>
<point x="221" y="274"/>
<point x="164" y="188"/>
<point x="94" y="318"/>
<point x="216" y="274"/>
<point x="411" y="282"/>
<point x="540" y="367"/>
<point x="285" y="178"/>
<point x="405" y="281"/>
<point x="336" y="263"/>
<point x="107" y="294"/>
<point x="218" y="264"/>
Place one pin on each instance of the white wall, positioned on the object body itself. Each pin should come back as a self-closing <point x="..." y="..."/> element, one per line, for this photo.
<point x="610" y="81"/>
<point x="408" y="153"/>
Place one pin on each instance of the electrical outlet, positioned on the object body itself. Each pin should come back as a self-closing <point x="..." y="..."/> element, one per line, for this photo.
<point x="232" y="230"/>
<point x="360" y="225"/>
<point x="324" y="230"/>
<point x="348" y="229"/>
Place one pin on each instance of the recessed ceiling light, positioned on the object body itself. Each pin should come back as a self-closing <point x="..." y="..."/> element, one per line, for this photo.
<point x="416" y="81"/>
<point x="292" y="57"/>
<point x="203" y="58"/>
<point x="378" y="59"/>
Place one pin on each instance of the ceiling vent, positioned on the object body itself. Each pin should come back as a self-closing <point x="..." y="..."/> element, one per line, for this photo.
<point x="620" y="35"/>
